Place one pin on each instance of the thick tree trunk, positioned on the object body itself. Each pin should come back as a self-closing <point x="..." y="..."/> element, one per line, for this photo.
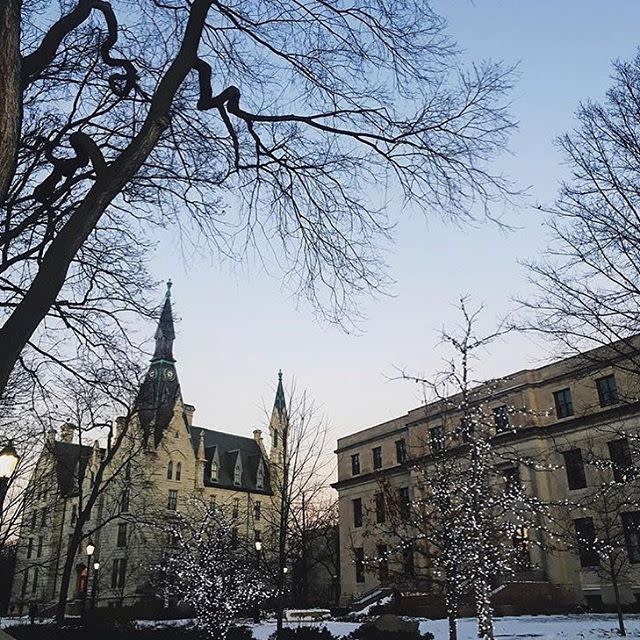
<point x="43" y="291"/>
<point x="10" y="91"/>
<point x="616" y="590"/>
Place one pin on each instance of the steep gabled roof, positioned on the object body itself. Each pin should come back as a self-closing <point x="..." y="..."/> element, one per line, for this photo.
<point x="228" y="447"/>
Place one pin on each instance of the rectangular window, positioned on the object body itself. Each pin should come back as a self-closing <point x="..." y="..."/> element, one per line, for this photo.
<point x="383" y="562"/>
<point x="29" y="548"/>
<point x="380" y="510"/>
<point x="401" y="451"/>
<point x="408" y="563"/>
<point x="607" y="391"/>
<point x="404" y="502"/>
<point x="511" y="477"/>
<point x="40" y="543"/>
<point x="43" y="518"/>
<point x="236" y="508"/>
<point x="574" y="466"/>
<point x="585" y="538"/>
<point x="355" y="464"/>
<point x="376" y="452"/>
<point x="172" y="500"/>
<point x="34" y="584"/>
<point x="257" y="535"/>
<point x="118" y="573"/>
<point x="124" y="503"/>
<point x="74" y="514"/>
<point x="359" y="561"/>
<point x="501" y="418"/>
<point x="257" y="510"/>
<point x="631" y="527"/>
<point x="234" y="536"/>
<point x="34" y="519"/>
<point x="436" y="439"/>
<point x="563" y="402"/>
<point x="357" y="512"/>
<point x="467" y="428"/>
<point x="122" y="534"/>
<point x="621" y="460"/>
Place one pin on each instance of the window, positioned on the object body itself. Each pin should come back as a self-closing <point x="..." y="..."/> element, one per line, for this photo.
<point x="383" y="562"/>
<point x="357" y="512"/>
<point x="257" y="510"/>
<point x="170" y="470"/>
<point x="408" y="564"/>
<point x="563" y="402"/>
<point x="585" y="538"/>
<point x="122" y="534"/>
<point x="355" y="464"/>
<point x="172" y="500"/>
<point x="118" y="573"/>
<point x="436" y="439"/>
<point x="631" y="527"/>
<point x="574" y="466"/>
<point x="467" y="429"/>
<point x="29" y="548"/>
<point x="275" y="440"/>
<point x="359" y="558"/>
<point x="404" y="502"/>
<point x="234" y="536"/>
<point x="237" y="472"/>
<point x="607" y="391"/>
<point x="34" y="519"/>
<point x="621" y="460"/>
<point x="380" y="510"/>
<point x="501" y="418"/>
<point x="401" y="451"/>
<point x="376" y="452"/>
<point x="40" y="542"/>
<point x="74" y="513"/>
<point x="511" y="477"/>
<point x="124" y="501"/>
<point x="127" y="471"/>
<point x="260" y="476"/>
<point x="214" y="471"/>
<point x="43" y="518"/>
<point x="34" y="584"/>
<point x="236" y="508"/>
<point x="179" y="471"/>
<point x="257" y="536"/>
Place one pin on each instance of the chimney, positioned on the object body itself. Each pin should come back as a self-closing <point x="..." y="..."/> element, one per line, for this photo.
<point x="189" y="410"/>
<point x="66" y="432"/>
<point x="257" y="436"/>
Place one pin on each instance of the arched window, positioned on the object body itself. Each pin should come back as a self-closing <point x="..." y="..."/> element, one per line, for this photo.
<point x="214" y="471"/>
<point x="179" y="471"/>
<point x="170" y="470"/>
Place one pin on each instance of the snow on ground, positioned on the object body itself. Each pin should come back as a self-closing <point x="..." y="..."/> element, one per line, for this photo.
<point x="577" y="627"/>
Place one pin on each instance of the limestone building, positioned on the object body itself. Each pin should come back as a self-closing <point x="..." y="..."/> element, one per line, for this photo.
<point x="581" y="420"/>
<point x="156" y="463"/>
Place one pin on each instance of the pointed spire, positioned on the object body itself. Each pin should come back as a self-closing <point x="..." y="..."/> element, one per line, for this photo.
<point x="280" y="404"/>
<point x="165" y="333"/>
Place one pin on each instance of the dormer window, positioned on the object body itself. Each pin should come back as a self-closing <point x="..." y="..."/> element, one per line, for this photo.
<point x="260" y="476"/>
<point x="214" y="471"/>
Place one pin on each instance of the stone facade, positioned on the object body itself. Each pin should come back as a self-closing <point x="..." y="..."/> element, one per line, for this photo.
<point x="578" y="404"/>
<point x="162" y="462"/>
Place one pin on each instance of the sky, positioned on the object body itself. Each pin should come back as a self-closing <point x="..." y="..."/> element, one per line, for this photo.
<point x="238" y="327"/>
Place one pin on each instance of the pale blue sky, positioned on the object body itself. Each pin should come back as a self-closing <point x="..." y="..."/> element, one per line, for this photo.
<point x="238" y="328"/>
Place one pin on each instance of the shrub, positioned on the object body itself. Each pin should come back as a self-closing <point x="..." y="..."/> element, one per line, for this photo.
<point x="239" y="633"/>
<point x="304" y="633"/>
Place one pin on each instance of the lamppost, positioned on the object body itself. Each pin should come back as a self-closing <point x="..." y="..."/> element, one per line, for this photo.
<point x="9" y="459"/>
<point x="94" y="586"/>
<point x="256" y="610"/>
<point x="90" y="550"/>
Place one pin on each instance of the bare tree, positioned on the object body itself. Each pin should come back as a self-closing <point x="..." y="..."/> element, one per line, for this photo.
<point x="300" y="474"/>
<point x="115" y="119"/>
<point x="587" y="286"/>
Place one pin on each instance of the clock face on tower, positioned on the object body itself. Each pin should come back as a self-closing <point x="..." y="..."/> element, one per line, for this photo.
<point x="169" y="374"/>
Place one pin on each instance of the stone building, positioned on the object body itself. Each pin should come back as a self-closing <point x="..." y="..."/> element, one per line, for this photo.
<point x="582" y="422"/>
<point x="163" y="462"/>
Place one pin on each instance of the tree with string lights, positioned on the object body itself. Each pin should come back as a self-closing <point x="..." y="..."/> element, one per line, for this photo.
<point x="471" y="518"/>
<point x="207" y="568"/>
